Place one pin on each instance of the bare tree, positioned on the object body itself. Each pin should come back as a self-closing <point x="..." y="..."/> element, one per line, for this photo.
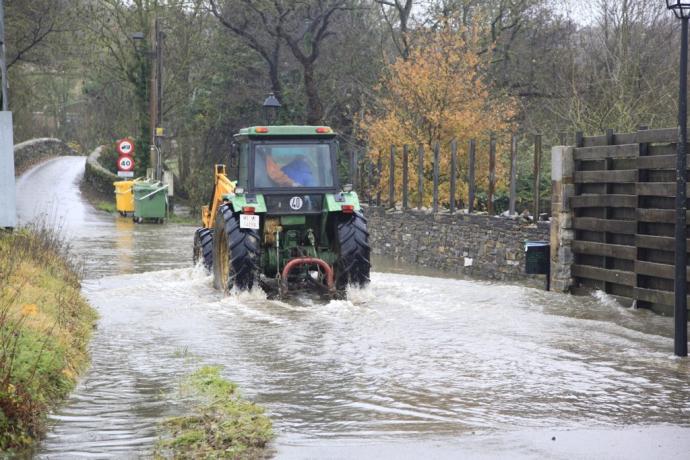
<point x="257" y="28"/>
<point x="397" y="15"/>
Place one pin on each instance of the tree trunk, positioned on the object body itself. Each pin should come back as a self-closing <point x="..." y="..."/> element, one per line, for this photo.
<point x="314" y="108"/>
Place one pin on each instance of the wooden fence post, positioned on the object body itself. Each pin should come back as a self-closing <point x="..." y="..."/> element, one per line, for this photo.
<point x="470" y="179"/>
<point x="391" y="179"/>
<point x="563" y="138"/>
<point x="370" y="170"/>
<point x="379" y="167"/>
<point x="353" y="167"/>
<point x="453" y="172"/>
<point x="537" y="175"/>
<point x="405" y="178"/>
<point x="513" y="174"/>
<point x="437" y="155"/>
<point x="420" y="177"/>
<point x="492" y="172"/>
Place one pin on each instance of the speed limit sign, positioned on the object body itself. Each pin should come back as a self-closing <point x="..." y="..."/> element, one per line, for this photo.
<point x="125" y="147"/>
<point x="125" y="163"/>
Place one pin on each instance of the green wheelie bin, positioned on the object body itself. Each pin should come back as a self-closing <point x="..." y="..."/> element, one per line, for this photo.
<point x="150" y="201"/>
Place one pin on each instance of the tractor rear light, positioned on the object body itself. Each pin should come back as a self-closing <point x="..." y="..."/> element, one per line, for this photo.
<point x="323" y="130"/>
<point x="347" y="208"/>
<point x="248" y="209"/>
<point x="261" y="130"/>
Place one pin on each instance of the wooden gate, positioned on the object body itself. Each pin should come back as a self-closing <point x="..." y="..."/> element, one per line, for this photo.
<point x="624" y="213"/>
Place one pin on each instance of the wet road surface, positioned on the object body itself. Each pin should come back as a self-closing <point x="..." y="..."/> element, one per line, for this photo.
<point x="410" y="367"/>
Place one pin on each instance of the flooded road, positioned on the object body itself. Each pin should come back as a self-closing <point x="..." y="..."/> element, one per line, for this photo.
<point x="412" y="366"/>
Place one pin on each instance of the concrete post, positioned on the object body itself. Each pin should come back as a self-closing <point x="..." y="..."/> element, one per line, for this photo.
<point x="8" y="209"/>
<point x="562" y="232"/>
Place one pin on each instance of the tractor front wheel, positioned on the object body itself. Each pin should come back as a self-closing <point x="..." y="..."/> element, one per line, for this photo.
<point x="352" y="266"/>
<point x="235" y="252"/>
<point x="203" y="247"/>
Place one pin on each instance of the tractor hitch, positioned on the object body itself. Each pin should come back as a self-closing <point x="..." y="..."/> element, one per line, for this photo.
<point x="300" y="261"/>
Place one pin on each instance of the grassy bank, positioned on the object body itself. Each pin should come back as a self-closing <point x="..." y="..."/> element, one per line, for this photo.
<point x="223" y="425"/>
<point x="45" y="326"/>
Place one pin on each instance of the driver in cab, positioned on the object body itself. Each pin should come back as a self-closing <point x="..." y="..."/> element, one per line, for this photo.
<point x="296" y="173"/>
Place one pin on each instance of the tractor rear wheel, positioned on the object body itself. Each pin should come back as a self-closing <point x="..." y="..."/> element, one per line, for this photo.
<point x="352" y="266"/>
<point x="235" y="252"/>
<point x="203" y="247"/>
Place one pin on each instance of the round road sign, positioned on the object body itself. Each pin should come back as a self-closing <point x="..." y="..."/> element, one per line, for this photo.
<point x="125" y="163"/>
<point x="125" y="147"/>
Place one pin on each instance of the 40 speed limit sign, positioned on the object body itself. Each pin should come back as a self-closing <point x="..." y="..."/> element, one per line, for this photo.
<point x="125" y="147"/>
<point x="125" y="166"/>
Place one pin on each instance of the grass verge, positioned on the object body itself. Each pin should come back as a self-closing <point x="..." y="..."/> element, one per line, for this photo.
<point x="223" y="425"/>
<point x="107" y="206"/>
<point x="45" y="326"/>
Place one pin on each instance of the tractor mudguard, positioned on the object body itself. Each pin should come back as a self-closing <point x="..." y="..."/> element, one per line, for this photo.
<point x="334" y="202"/>
<point x="240" y="200"/>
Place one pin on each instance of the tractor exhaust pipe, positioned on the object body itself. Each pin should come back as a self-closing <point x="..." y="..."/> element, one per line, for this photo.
<point x="297" y="261"/>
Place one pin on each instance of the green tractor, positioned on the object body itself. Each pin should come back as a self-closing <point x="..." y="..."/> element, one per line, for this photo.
<point x="285" y="223"/>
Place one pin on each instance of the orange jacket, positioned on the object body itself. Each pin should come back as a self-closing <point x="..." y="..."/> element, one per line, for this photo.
<point x="276" y="174"/>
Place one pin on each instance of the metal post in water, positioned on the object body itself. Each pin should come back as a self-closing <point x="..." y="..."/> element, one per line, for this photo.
<point x="681" y="256"/>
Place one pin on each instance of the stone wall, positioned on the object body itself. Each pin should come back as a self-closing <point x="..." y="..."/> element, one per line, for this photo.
<point x="475" y="245"/>
<point x="97" y="177"/>
<point x="32" y="152"/>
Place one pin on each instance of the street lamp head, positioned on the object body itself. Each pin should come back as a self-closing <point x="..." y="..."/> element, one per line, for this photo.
<point x="271" y="106"/>
<point x="138" y="36"/>
<point x="680" y="8"/>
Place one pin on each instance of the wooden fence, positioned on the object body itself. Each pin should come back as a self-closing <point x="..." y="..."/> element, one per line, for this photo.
<point x="365" y="174"/>
<point x="623" y="215"/>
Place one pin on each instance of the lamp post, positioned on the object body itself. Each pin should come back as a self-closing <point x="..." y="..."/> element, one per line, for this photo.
<point x="271" y="106"/>
<point x="682" y="11"/>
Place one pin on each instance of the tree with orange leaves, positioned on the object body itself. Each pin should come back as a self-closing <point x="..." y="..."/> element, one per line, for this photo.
<point x="437" y="95"/>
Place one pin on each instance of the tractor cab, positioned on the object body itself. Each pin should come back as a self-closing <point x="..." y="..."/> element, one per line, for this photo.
<point x="286" y="162"/>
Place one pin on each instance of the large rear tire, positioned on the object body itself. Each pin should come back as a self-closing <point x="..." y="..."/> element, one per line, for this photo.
<point x="353" y="265"/>
<point x="235" y="252"/>
<point x="203" y="247"/>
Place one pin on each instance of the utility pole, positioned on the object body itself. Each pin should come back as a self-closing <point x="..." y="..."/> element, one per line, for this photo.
<point x="159" y="98"/>
<point x="3" y="60"/>
<point x="153" y="103"/>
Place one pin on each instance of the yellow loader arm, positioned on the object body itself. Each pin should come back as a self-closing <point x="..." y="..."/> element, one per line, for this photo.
<point x="221" y="186"/>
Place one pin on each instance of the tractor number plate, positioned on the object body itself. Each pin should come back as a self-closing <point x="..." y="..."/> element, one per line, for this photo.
<point x="249" y="221"/>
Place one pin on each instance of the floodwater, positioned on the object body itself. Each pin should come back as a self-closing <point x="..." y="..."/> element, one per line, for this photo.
<point x="411" y="367"/>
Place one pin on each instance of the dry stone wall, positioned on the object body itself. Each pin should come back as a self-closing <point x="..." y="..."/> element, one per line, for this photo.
<point x="476" y="245"/>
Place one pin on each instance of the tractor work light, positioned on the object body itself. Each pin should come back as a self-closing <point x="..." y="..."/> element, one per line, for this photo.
<point x="347" y="208"/>
<point x="239" y="190"/>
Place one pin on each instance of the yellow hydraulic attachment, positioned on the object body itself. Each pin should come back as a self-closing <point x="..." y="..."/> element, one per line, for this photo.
<point x="221" y="186"/>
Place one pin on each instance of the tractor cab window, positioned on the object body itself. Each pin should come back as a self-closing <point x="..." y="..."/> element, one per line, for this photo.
<point x="243" y="165"/>
<point x="293" y="165"/>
